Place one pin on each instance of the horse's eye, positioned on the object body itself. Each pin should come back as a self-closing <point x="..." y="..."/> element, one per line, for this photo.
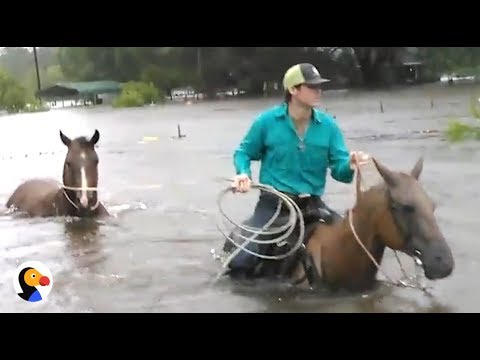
<point x="404" y="208"/>
<point x="408" y="208"/>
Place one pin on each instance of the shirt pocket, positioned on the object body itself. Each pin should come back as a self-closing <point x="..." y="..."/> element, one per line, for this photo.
<point x="315" y="159"/>
<point x="285" y="157"/>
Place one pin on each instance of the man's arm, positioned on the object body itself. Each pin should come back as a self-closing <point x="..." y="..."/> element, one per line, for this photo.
<point x="339" y="156"/>
<point x="249" y="149"/>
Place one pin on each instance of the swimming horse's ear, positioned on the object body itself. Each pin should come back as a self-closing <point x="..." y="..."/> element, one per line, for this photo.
<point x="387" y="174"/>
<point x="417" y="169"/>
<point x="95" y="137"/>
<point x="65" y="139"/>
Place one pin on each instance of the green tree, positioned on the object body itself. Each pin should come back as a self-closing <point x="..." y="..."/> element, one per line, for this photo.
<point x="13" y="96"/>
<point x="460" y="131"/>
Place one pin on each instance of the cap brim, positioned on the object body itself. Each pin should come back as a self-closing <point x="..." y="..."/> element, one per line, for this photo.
<point x="317" y="82"/>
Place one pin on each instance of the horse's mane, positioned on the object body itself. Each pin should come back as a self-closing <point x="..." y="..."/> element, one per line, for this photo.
<point x="379" y="187"/>
<point x="374" y="193"/>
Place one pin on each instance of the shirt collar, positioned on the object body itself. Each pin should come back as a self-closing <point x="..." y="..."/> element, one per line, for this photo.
<point x="282" y="112"/>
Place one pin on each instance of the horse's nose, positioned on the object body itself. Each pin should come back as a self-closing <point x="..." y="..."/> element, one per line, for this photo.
<point x="83" y="198"/>
<point x="445" y="262"/>
<point x="84" y="201"/>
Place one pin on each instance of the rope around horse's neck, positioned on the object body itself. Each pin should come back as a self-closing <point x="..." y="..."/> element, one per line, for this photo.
<point x="97" y="204"/>
<point x="86" y="188"/>
<point x="359" y="183"/>
<point x="63" y="187"/>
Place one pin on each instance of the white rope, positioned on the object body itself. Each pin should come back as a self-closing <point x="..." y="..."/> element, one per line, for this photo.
<point x="130" y="187"/>
<point x="295" y="216"/>
<point x="86" y="188"/>
<point x="63" y="187"/>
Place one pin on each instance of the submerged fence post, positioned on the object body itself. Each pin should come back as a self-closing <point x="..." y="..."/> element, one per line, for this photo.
<point x="179" y="131"/>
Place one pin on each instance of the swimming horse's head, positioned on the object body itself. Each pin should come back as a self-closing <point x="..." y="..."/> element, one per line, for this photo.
<point x="410" y="225"/>
<point x="80" y="171"/>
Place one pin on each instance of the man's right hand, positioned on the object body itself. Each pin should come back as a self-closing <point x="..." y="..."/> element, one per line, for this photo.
<point x="242" y="183"/>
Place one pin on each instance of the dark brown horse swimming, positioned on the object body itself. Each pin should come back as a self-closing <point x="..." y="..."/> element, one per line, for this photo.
<point x="77" y="196"/>
<point x="396" y="214"/>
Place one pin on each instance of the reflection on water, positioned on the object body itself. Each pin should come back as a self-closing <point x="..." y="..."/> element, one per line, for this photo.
<point x="84" y="243"/>
<point x="383" y="298"/>
<point x="154" y="254"/>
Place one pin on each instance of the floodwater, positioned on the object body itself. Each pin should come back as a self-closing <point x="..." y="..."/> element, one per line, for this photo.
<point x="154" y="254"/>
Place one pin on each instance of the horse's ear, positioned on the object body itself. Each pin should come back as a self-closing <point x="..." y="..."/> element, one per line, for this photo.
<point x="95" y="137"/>
<point x="387" y="174"/>
<point x="65" y="139"/>
<point x="417" y="169"/>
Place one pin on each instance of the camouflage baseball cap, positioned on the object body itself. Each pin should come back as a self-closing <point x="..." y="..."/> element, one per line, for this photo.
<point x="302" y="74"/>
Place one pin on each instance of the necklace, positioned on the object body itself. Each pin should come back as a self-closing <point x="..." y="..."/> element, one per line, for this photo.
<point x="301" y="144"/>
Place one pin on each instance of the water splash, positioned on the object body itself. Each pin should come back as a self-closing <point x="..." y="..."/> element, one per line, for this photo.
<point x="116" y="210"/>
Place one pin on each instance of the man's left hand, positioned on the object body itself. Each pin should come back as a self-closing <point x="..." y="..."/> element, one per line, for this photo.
<point x="358" y="158"/>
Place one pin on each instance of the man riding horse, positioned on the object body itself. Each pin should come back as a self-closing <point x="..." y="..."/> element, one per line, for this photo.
<point x="296" y="144"/>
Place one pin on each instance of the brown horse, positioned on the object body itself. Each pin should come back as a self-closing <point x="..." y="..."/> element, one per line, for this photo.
<point x="397" y="214"/>
<point x="347" y="253"/>
<point x="77" y="196"/>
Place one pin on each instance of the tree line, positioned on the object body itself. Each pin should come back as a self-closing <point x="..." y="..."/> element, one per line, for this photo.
<point x="209" y="69"/>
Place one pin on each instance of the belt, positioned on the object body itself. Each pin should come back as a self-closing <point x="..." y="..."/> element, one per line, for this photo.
<point x="299" y="196"/>
<point x="300" y="199"/>
<point x="304" y="201"/>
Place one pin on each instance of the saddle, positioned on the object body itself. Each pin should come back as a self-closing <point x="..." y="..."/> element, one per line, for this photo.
<point x="314" y="210"/>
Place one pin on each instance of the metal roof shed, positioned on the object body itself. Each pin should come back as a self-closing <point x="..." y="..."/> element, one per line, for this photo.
<point x="86" y="89"/>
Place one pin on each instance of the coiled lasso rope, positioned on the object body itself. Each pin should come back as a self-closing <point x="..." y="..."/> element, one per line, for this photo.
<point x="295" y="216"/>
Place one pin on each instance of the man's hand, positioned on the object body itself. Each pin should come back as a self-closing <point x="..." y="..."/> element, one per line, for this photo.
<point x="241" y="183"/>
<point x="358" y="158"/>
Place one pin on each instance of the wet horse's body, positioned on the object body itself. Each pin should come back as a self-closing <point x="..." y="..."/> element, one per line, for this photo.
<point x="397" y="214"/>
<point x="77" y="196"/>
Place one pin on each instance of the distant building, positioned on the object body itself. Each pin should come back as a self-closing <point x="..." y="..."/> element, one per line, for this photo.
<point x="80" y="93"/>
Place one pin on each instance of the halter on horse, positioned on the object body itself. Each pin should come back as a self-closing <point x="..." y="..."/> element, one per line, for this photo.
<point x="78" y="194"/>
<point x="397" y="214"/>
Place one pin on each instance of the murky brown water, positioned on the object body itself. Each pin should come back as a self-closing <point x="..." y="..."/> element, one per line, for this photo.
<point x="155" y="255"/>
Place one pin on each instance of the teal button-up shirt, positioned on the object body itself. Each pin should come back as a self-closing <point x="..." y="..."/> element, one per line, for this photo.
<point x="286" y="164"/>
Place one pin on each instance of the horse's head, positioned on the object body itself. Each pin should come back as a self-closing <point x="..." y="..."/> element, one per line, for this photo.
<point x="410" y="224"/>
<point x="80" y="170"/>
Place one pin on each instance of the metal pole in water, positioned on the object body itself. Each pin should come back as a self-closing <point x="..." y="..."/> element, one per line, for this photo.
<point x="179" y="132"/>
<point x="36" y="67"/>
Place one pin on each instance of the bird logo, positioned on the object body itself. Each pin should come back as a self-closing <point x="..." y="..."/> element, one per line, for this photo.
<point x="32" y="281"/>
